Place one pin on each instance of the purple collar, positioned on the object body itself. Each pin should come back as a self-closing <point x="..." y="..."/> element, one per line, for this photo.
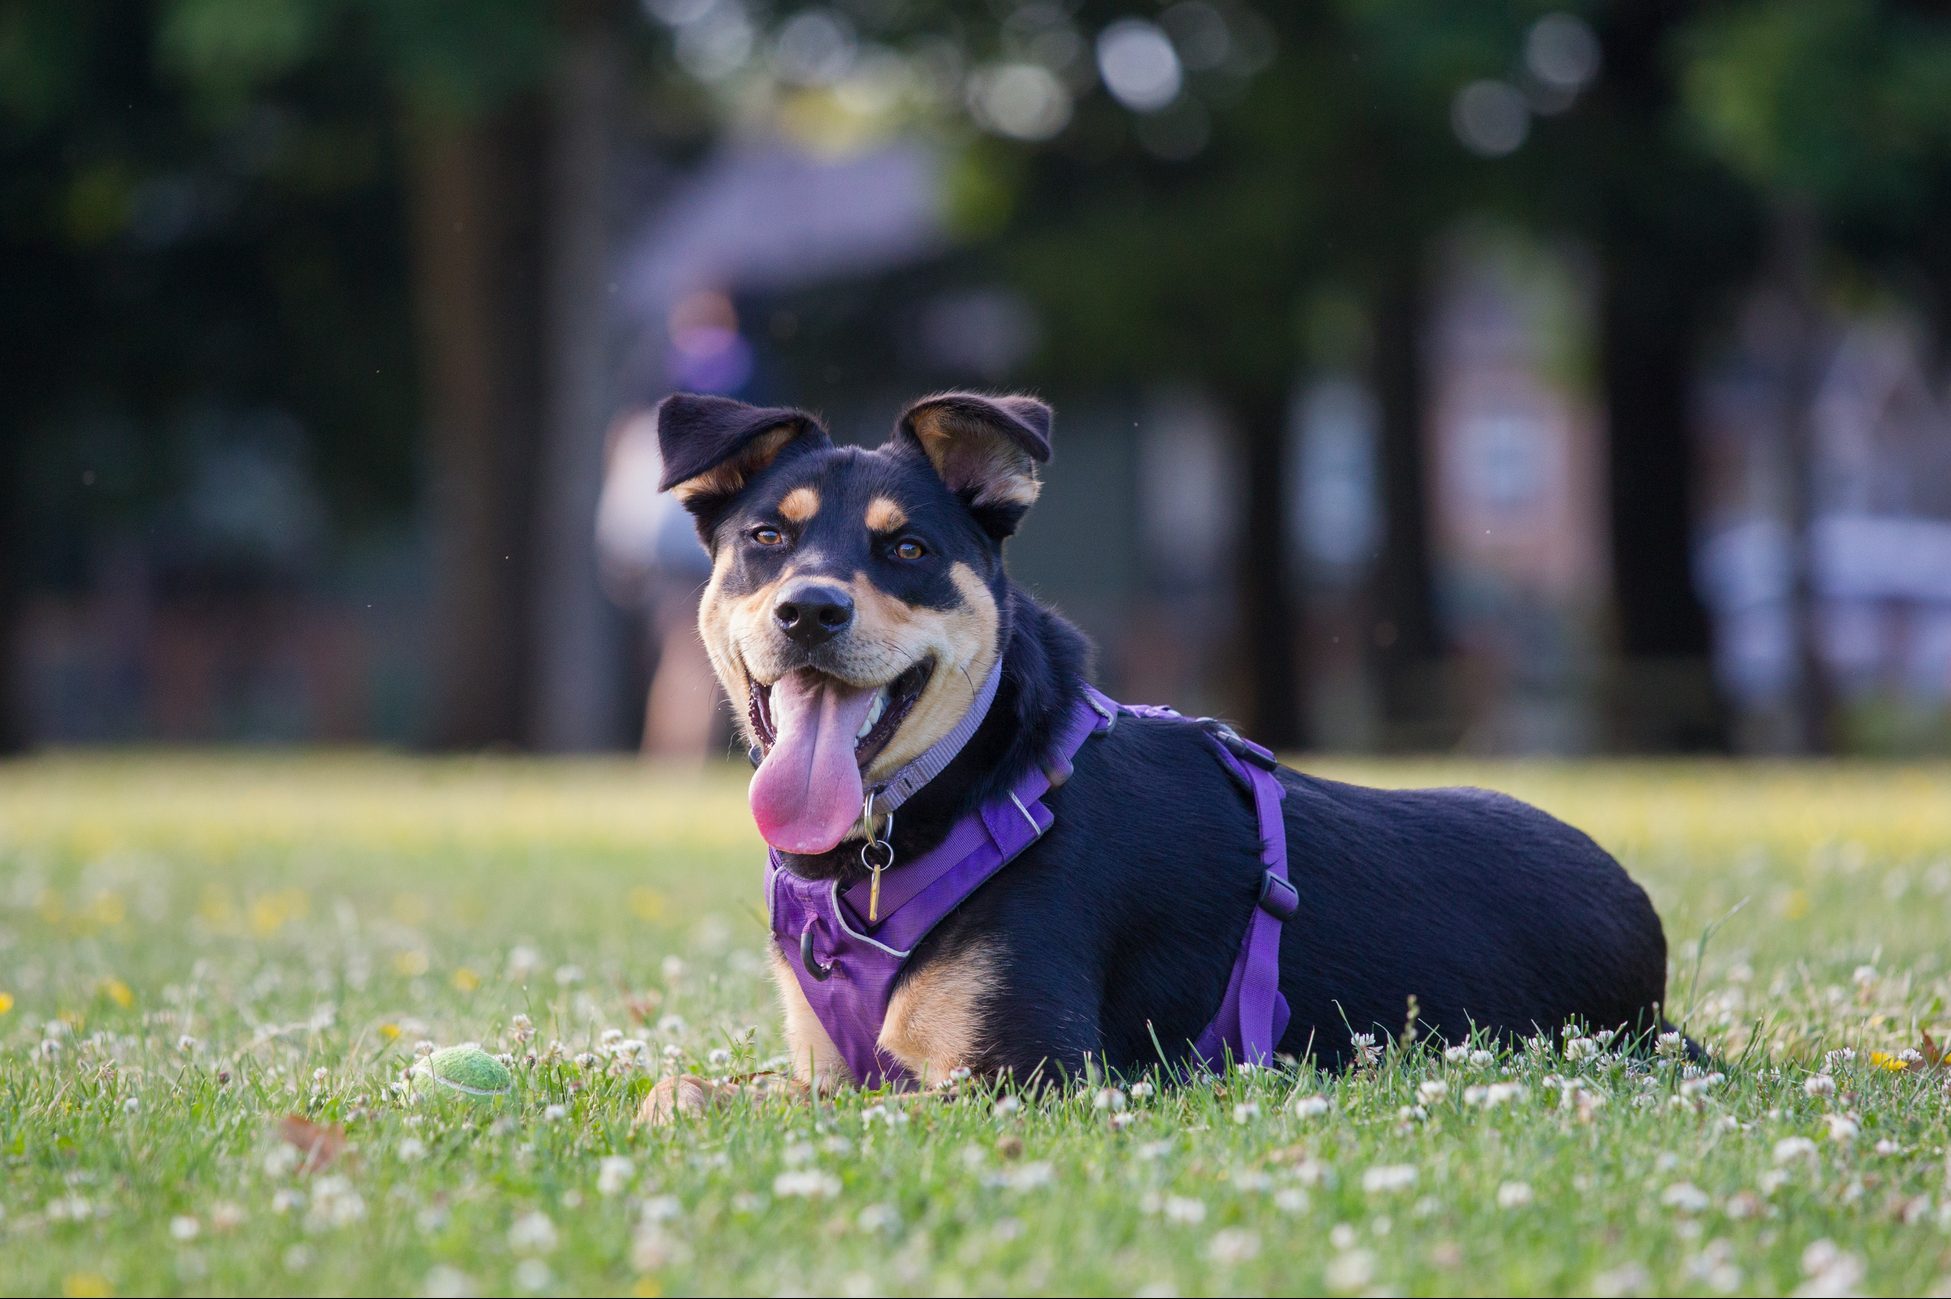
<point x="848" y="968"/>
<point x="901" y="786"/>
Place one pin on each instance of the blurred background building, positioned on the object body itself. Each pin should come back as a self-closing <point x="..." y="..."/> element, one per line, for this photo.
<point x="1529" y="378"/>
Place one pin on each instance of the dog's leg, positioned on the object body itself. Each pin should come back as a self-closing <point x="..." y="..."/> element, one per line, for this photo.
<point x="816" y="1063"/>
<point x="816" y="1060"/>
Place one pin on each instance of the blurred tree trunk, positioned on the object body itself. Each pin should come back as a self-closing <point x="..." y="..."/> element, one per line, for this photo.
<point x="1407" y="646"/>
<point x="476" y="189"/>
<point x="1666" y="696"/>
<point x="1662" y="233"/>
<point x="1812" y="711"/>
<point x="1268" y="623"/>
<point x="575" y="631"/>
<point x="13" y="704"/>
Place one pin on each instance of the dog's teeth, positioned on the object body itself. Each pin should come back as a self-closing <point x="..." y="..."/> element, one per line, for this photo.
<point x="874" y="712"/>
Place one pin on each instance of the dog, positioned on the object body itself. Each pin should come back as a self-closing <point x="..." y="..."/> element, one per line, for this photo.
<point x="857" y="611"/>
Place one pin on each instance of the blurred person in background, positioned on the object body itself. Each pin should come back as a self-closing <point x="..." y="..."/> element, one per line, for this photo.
<point x="652" y="566"/>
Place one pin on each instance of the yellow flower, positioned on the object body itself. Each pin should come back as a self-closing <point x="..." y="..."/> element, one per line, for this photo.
<point x="85" y="1285"/>
<point x="391" y="1032"/>
<point x="466" y="980"/>
<point x="1884" y="1060"/>
<point x="647" y="904"/>
<point x="646" y="1288"/>
<point x="412" y="963"/>
<point x="6" y="1002"/>
<point x="118" y="992"/>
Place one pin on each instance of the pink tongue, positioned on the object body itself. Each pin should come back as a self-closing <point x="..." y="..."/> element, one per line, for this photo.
<point x="806" y="795"/>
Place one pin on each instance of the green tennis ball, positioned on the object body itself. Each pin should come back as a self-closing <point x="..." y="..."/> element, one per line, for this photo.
<point x="464" y="1070"/>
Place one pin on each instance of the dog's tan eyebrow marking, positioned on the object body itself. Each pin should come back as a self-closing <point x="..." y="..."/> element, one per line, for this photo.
<point x="799" y="505"/>
<point x="884" y="515"/>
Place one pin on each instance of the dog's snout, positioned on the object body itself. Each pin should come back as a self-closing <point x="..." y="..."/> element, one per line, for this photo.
<point x="814" y="613"/>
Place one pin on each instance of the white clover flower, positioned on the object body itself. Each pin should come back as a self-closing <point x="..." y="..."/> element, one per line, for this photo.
<point x="879" y="1218"/>
<point x="719" y="1058"/>
<point x="532" y="1233"/>
<point x="1005" y="1106"/>
<point x="588" y="1060"/>
<point x="1580" y="1048"/>
<point x="1311" y="1107"/>
<point x="1183" y="1210"/>
<point x="1789" y="1149"/>
<point x="1108" y="1098"/>
<point x="1514" y="1195"/>
<point x="1291" y="1199"/>
<point x="1684" y="1197"/>
<point x="1842" y="1128"/>
<point x="609" y="1037"/>
<point x="1246" y="1111"/>
<point x="184" y="1228"/>
<point x="1670" y="1046"/>
<point x="1842" y="1056"/>
<point x="1820" y="1085"/>
<point x="1351" y="1270"/>
<point x="522" y="1028"/>
<point x="1456" y="1054"/>
<point x="186" y="1044"/>
<point x="1366" y="1051"/>
<point x="1233" y="1245"/>
<point x="1141" y="1091"/>
<point x="554" y="1113"/>
<point x="1386" y="1179"/>
<point x="1830" y="1270"/>
<point x="423" y="1048"/>
<point x="806" y="1184"/>
<point x="334" y="1204"/>
<point x="613" y="1173"/>
<point x="131" y="1105"/>
<point x="1482" y="1059"/>
<point x="1432" y="1090"/>
<point x="411" y="1150"/>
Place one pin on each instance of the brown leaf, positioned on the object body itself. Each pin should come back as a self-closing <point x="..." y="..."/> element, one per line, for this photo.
<point x="320" y="1143"/>
<point x="1934" y="1054"/>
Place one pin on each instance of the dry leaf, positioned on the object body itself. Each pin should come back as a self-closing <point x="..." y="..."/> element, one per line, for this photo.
<point x="320" y="1143"/>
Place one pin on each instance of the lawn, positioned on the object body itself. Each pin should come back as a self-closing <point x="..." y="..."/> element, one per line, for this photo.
<point x="194" y="950"/>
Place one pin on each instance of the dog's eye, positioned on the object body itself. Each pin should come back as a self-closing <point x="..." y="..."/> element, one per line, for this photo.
<point x="909" y="549"/>
<point x="769" y="536"/>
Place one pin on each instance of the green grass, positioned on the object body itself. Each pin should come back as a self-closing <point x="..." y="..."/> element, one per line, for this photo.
<point x="213" y="944"/>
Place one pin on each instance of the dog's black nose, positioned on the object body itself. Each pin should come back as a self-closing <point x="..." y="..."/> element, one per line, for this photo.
<point x="814" y="614"/>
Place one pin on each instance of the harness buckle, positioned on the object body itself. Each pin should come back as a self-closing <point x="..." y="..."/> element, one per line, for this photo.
<point x="1278" y="897"/>
<point x="1239" y="746"/>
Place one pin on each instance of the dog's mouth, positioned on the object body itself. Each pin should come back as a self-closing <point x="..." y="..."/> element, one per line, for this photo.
<point x="889" y="707"/>
<point x="819" y="734"/>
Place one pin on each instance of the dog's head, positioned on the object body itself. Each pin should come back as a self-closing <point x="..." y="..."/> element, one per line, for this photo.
<point x="854" y="608"/>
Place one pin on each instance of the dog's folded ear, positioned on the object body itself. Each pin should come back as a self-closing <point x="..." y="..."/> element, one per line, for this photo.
<point x="985" y="448"/>
<point x="713" y="445"/>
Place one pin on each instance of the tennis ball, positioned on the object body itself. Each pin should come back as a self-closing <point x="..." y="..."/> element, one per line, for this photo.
<point x="467" y="1070"/>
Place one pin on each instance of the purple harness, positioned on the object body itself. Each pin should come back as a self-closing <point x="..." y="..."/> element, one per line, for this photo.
<point x="848" y="968"/>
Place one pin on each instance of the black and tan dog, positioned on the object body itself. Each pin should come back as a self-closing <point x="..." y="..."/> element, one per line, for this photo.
<point x="858" y="599"/>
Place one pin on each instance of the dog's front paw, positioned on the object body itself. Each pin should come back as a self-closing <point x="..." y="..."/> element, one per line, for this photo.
<point x="681" y="1094"/>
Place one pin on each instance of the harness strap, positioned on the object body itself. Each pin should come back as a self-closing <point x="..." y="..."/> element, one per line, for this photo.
<point x="1253" y="1014"/>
